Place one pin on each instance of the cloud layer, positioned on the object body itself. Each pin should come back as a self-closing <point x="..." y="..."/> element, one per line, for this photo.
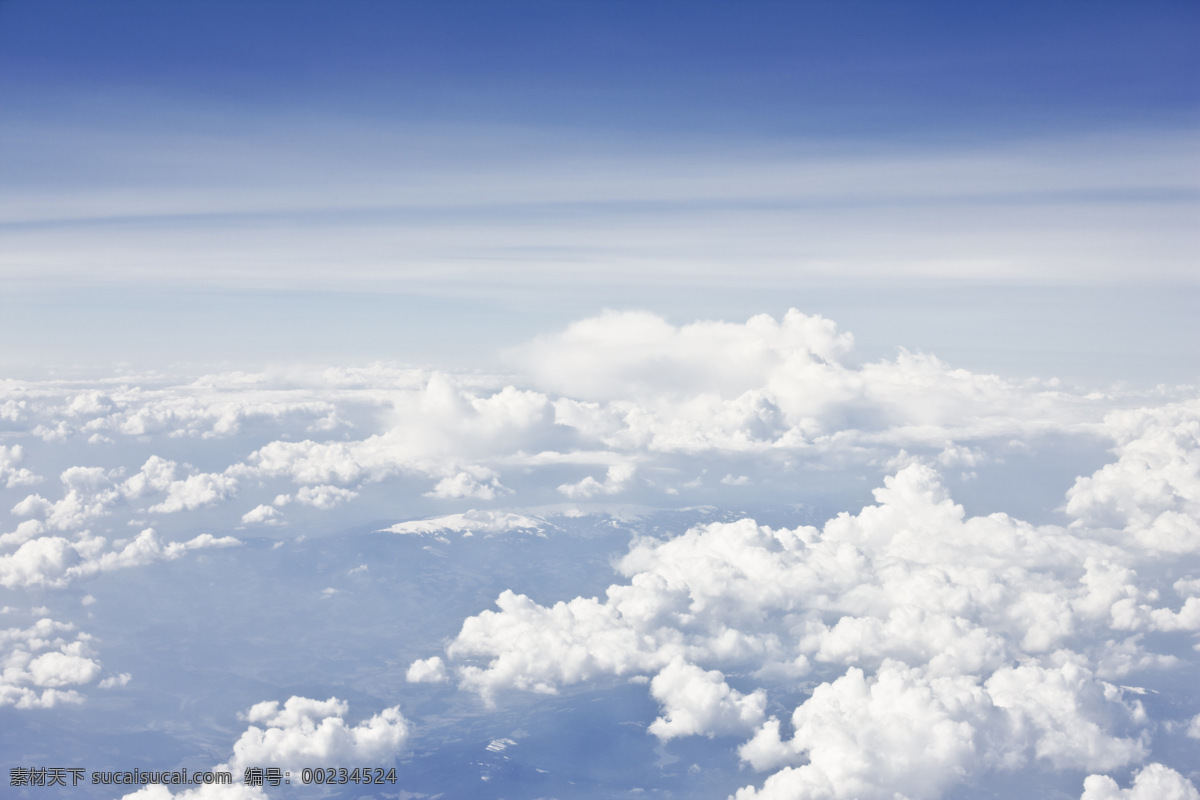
<point x="906" y="646"/>
<point x="936" y="645"/>
<point x="624" y="405"/>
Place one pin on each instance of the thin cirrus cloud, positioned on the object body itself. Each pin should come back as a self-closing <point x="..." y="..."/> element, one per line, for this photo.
<point x="348" y="207"/>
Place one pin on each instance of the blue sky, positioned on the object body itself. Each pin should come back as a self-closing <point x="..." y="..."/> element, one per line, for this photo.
<point x="485" y="159"/>
<point x="756" y="69"/>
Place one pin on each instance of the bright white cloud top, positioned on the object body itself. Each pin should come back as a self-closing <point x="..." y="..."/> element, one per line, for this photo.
<point x="864" y="643"/>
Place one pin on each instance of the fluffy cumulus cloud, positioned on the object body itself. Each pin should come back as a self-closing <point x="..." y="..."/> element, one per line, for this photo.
<point x="196" y="491"/>
<point x="624" y="355"/>
<point x="1153" y="488"/>
<point x="937" y="645"/>
<point x="468" y="485"/>
<point x="927" y="646"/>
<point x="1155" y="782"/>
<point x="612" y="403"/>
<point x="302" y="732"/>
<point x="427" y="670"/>
<point x="91" y="493"/>
<point x="698" y="702"/>
<point x="56" y="561"/>
<point x="262" y="515"/>
<point x="897" y="734"/>
<point x="209" y="407"/>
<point x="632" y="379"/>
<point x="615" y="479"/>
<point x="45" y="665"/>
<point x="11" y="475"/>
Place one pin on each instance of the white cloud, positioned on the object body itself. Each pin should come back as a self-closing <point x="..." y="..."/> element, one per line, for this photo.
<point x="1153" y="489"/>
<point x="426" y="670"/>
<point x="62" y="668"/>
<point x="897" y="734"/>
<point x="464" y="484"/>
<point x="627" y="391"/>
<point x="1153" y="782"/>
<point x="902" y="733"/>
<point x="93" y="492"/>
<point x="115" y="680"/>
<point x="997" y="639"/>
<point x="324" y="497"/>
<point x="1071" y="713"/>
<point x="10" y="474"/>
<point x="156" y="475"/>
<point x="196" y="491"/>
<point x="534" y="648"/>
<point x="1193" y="730"/>
<point x="202" y="409"/>
<point x="941" y="645"/>
<point x="44" y="665"/>
<point x="615" y="480"/>
<point x="698" y="702"/>
<point x="40" y="561"/>
<point x="26" y="530"/>
<point x="147" y="548"/>
<point x="261" y="515"/>
<point x="635" y="382"/>
<point x="303" y="732"/>
<point x="635" y="355"/>
<point x="91" y="403"/>
<point x="90" y="492"/>
<point x="56" y="561"/>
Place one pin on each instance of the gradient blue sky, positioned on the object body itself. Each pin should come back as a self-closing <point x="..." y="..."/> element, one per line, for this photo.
<point x="290" y="180"/>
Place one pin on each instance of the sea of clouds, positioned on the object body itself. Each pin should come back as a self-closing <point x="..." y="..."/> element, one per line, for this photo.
<point x="980" y="576"/>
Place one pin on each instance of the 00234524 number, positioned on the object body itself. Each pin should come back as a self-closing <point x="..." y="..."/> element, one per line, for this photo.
<point x="363" y="775"/>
